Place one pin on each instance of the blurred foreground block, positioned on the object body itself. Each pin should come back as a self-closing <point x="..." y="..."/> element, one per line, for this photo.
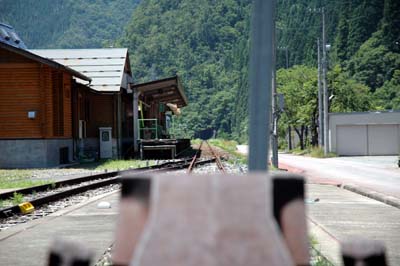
<point x="223" y="220"/>
<point x="363" y="252"/>
<point x="69" y="253"/>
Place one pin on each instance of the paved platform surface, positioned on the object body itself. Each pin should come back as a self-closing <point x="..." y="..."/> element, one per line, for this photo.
<point x="341" y="214"/>
<point x="28" y="244"/>
<point x="376" y="173"/>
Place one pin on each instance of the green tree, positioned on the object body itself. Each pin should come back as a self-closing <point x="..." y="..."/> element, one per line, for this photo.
<point x="388" y="96"/>
<point x="67" y="23"/>
<point x="299" y="87"/>
<point x="348" y="95"/>
<point x="391" y="25"/>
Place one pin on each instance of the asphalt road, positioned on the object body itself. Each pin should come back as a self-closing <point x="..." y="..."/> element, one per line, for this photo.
<point x="376" y="173"/>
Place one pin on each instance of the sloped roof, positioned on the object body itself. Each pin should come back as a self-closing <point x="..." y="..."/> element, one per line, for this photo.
<point x="106" y="67"/>
<point x="37" y="58"/>
<point x="168" y="90"/>
<point x="10" y="37"/>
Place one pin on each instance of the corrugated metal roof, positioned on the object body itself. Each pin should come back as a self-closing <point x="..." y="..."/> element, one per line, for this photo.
<point x="10" y="37"/>
<point x="104" y="66"/>
<point x="43" y="60"/>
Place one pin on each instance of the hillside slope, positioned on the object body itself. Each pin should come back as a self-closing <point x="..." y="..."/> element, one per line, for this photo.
<point x="67" y="23"/>
<point x="206" y="42"/>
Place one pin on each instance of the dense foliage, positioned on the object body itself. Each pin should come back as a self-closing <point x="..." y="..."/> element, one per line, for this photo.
<point x="67" y="23"/>
<point x="206" y="42"/>
<point x="363" y="64"/>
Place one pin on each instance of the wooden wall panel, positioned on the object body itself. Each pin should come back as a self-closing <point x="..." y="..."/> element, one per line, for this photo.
<point x="101" y="114"/>
<point x="67" y="105"/>
<point x="26" y="85"/>
<point x="19" y="94"/>
<point x="47" y="81"/>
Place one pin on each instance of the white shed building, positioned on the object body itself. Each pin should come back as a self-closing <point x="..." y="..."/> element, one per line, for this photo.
<point x="362" y="134"/>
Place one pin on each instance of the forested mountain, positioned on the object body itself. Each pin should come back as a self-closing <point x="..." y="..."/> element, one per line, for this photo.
<point x="206" y="42"/>
<point x="67" y="23"/>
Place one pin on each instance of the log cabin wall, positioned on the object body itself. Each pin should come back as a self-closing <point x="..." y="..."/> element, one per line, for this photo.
<point x="25" y="86"/>
<point x="29" y="86"/>
<point x="101" y="114"/>
<point x="19" y="94"/>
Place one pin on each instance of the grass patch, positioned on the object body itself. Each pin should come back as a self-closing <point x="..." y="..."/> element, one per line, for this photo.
<point x="317" y="259"/>
<point x="298" y="151"/>
<point x="18" y="179"/>
<point x="228" y="146"/>
<point x="123" y="164"/>
<point x="17" y="198"/>
<point x="315" y="152"/>
<point x="318" y="152"/>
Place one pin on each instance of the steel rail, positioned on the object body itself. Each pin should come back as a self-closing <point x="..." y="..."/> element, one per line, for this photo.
<point x="74" y="181"/>
<point x="13" y="210"/>
<point x="195" y="157"/>
<point x="217" y="158"/>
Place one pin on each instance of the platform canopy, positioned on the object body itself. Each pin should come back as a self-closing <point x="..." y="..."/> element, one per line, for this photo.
<point x="109" y="68"/>
<point x="168" y="91"/>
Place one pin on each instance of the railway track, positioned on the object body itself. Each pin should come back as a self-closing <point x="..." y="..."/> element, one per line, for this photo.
<point x="79" y="185"/>
<point x="214" y="154"/>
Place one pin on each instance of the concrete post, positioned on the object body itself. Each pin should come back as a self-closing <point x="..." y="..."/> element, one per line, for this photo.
<point x="320" y="100"/>
<point x="275" y="115"/>
<point x="260" y="83"/>
<point x="325" y="83"/>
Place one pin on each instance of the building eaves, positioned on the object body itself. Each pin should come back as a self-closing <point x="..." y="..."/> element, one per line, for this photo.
<point x="43" y="60"/>
<point x="154" y="86"/>
<point x="107" y="67"/>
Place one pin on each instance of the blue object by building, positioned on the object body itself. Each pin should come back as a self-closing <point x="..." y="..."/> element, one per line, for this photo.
<point x="9" y="36"/>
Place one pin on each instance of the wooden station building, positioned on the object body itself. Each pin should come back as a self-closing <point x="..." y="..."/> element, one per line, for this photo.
<point x="35" y="106"/>
<point x="61" y="105"/>
<point x="102" y="115"/>
<point x="114" y="102"/>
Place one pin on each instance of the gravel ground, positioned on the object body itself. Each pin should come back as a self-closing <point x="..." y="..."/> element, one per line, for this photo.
<point x="61" y="174"/>
<point x="30" y="197"/>
<point x="55" y="206"/>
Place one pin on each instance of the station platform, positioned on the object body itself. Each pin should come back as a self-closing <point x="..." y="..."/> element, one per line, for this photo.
<point x="341" y="215"/>
<point x="29" y="244"/>
<point x="162" y="148"/>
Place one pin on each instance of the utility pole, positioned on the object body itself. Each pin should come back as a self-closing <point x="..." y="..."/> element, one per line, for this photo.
<point x="326" y="97"/>
<point x="275" y="109"/>
<point x="320" y="100"/>
<point x="260" y="76"/>
<point x="289" y="127"/>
